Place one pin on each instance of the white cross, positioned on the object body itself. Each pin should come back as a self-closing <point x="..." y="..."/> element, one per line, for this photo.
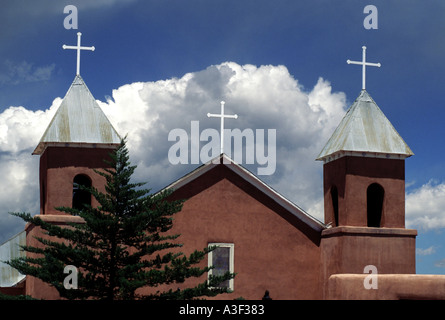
<point x="364" y="64"/>
<point x="78" y="48"/>
<point x="222" y="116"/>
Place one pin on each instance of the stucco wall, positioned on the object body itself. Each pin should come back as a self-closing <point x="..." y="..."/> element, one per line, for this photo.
<point x="351" y="249"/>
<point x="270" y="252"/>
<point x="35" y="287"/>
<point x="352" y="176"/>
<point x="388" y="287"/>
<point x="59" y="166"/>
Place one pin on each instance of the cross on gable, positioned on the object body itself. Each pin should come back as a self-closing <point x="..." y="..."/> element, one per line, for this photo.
<point x="363" y="63"/>
<point x="78" y="48"/>
<point x="222" y="116"/>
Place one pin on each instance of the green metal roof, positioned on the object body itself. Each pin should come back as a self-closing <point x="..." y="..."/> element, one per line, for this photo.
<point x="79" y="121"/>
<point x="10" y="250"/>
<point x="365" y="131"/>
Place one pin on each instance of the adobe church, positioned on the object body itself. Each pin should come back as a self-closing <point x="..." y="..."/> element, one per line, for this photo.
<point x="268" y="241"/>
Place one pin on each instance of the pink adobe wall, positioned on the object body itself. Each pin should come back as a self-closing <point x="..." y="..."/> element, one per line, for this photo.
<point x="271" y="252"/>
<point x="351" y="249"/>
<point x="59" y="166"/>
<point x="35" y="287"/>
<point x="223" y="212"/>
<point x="387" y="287"/>
<point x="352" y="176"/>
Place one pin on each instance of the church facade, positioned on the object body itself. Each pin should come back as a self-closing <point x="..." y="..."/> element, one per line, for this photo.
<point x="362" y="250"/>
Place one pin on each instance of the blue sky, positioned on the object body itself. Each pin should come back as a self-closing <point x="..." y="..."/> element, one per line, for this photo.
<point x="147" y="42"/>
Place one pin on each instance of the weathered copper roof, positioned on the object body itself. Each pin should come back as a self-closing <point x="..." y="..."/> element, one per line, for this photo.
<point x="10" y="250"/>
<point x="79" y="121"/>
<point x="365" y="131"/>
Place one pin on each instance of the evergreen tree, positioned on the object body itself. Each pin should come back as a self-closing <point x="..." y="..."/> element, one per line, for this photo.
<point x="123" y="244"/>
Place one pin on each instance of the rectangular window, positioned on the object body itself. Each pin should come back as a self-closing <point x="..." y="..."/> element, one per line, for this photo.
<point x="222" y="260"/>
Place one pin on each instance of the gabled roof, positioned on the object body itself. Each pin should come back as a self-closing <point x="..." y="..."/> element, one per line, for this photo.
<point x="78" y="121"/>
<point x="251" y="180"/>
<point x="365" y="131"/>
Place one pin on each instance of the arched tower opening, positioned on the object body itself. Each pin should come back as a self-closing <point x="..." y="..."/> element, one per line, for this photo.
<point x="334" y="198"/>
<point x="81" y="197"/>
<point x="374" y="198"/>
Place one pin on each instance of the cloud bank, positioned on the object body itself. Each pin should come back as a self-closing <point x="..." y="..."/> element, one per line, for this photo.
<point x="264" y="97"/>
<point x="425" y="206"/>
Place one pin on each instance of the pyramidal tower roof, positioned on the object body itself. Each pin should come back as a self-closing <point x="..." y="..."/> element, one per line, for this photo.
<point x="365" y="131"/>
<point x="79" y="121"/>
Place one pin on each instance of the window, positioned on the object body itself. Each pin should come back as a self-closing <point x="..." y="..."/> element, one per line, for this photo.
<point x="81" y="197"/>
<point x="334" y="198"/>
<point x="222" y="260"/>
<point x="375" y="195"/>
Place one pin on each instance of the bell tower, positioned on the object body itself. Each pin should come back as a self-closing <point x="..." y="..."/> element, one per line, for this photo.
<point x="76" y="142"/>
<point x="364" y="169"/>
<point x="364" y="193"/>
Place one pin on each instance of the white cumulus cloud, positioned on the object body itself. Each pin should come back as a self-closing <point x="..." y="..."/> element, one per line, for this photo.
<point x="425" y="206"/>
<point x="21" y="129"/>
<point x="264" y="97"/>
